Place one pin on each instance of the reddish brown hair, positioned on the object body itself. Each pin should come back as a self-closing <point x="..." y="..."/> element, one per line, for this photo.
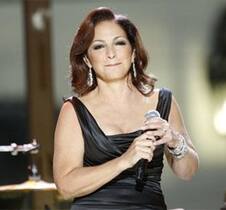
<point x="83" y="39"/>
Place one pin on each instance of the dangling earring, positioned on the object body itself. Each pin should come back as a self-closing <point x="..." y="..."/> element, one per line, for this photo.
<point x="90" y="77"/>
<point x="134" y="70"/>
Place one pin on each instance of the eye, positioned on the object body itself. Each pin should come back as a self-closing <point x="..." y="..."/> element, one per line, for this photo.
<point x="121" y="42"/>
<point x="98" y="46"/>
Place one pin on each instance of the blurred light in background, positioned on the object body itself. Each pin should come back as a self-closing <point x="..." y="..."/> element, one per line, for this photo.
<point x="220" y="119"/>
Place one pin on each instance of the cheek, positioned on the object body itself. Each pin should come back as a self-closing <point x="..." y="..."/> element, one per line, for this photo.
<point x="125" y="54"/>
<point x="95" y="58"/>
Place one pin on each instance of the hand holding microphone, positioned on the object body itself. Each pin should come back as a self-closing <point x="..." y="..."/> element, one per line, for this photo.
<point x="142" y="163"/>
<point x="141" y="151"/>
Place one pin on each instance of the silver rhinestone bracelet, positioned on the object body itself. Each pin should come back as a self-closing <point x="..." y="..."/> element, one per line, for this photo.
<point x="180" y="150"/>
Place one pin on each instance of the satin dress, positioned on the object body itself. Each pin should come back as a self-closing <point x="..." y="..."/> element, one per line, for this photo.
<point x="120" y="193"/>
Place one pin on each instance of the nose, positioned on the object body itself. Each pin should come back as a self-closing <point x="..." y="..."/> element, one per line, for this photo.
<point x="110" y="52"/>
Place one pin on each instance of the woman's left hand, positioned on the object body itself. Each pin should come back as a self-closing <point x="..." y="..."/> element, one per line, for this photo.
<point x="162" y="131"/>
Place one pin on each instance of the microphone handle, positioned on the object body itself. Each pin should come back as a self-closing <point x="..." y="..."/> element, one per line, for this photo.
<point x="141" y="166"/>
<point x="140" y="172"/>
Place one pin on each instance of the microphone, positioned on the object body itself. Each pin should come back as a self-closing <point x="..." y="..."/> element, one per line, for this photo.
<point x="142" y="163"/>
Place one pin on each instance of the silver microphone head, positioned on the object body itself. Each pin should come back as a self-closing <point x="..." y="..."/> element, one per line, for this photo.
<point x="151" y="114"/>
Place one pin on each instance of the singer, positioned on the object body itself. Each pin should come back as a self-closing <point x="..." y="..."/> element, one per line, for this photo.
<point x="102" y="132"/>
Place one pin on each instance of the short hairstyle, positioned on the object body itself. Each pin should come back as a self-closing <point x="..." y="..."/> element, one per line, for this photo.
<point x="83" y="39"/>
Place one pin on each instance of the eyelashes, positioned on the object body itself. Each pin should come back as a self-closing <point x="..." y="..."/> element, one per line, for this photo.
<point x="100" y="46"/>
<point x="120" y="43"/>
<point x="97" y="47"/>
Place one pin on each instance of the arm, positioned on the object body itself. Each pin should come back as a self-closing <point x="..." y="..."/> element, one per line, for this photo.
<point x="185" y="167"/>
<point x="172" y="134"/>
<point x="71" y="177"/>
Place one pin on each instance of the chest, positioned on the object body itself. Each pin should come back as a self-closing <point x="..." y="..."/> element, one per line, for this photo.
<point x="115" y="120"/>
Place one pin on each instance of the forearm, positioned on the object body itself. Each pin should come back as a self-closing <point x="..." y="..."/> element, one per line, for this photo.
<point x="186" y="166"/>
<point x="85" y="180"/>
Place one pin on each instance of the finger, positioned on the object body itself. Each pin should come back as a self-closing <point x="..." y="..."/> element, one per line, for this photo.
<point x="144" y="136"/>
<point x="157" y="127"/>
<point x="144" y="149"/>
<point x="154" y="119"/>
<point x="150" y="137"/>
<point x="152" y="125"/>
<point x="146" y="155"/>
<point x="162" y="130"/>
<point x="165" y="126"/>
<point x="149" y="143"/>
<point x="159" y="133"/>
<point x="144" y="143"/>
<point x="160" y="141"/>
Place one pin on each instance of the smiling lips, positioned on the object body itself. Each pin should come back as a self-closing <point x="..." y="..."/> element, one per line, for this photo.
<point x="115" y="64"/>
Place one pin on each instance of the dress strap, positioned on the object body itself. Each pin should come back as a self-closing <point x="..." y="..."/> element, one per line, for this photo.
<point x="83" y="117"/>
<point x="164" y="103"/>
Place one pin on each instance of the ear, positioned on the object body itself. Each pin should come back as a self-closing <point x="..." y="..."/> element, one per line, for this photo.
<point x="86" y="60"/>
<point x="133" y="56"/>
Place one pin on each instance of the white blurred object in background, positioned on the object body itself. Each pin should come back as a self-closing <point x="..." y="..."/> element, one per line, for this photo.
<point x="220" y="119"/>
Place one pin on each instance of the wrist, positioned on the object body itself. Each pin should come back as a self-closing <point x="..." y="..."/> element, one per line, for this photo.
<point x="173" y="144"/>
<point x="179" y="149"/>
<point x="175" y="140"/>
<point x="121" y="163"/>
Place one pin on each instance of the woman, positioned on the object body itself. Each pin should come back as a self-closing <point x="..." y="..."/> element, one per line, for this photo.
<point x="102" y="134"/>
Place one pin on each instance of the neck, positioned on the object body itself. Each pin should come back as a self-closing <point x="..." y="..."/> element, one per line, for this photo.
<point x="120" y="91"/>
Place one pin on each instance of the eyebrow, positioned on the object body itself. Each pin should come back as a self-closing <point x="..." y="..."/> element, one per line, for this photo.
<point x="99" y="40"/>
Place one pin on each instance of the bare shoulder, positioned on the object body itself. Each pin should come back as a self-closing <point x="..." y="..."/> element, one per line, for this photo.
<point x="67" y="119"/>
<point x="175" y="113"/>
<point x="67" y="109"/>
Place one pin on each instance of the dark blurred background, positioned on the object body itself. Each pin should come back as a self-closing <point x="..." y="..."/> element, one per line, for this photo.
<point x="186" y="41"/>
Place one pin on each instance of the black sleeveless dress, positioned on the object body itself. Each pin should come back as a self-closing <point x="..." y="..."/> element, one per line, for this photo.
<point x="120" y="193"/>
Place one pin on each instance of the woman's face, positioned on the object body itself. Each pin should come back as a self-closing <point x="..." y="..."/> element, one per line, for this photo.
<point x="110" y="53"/>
